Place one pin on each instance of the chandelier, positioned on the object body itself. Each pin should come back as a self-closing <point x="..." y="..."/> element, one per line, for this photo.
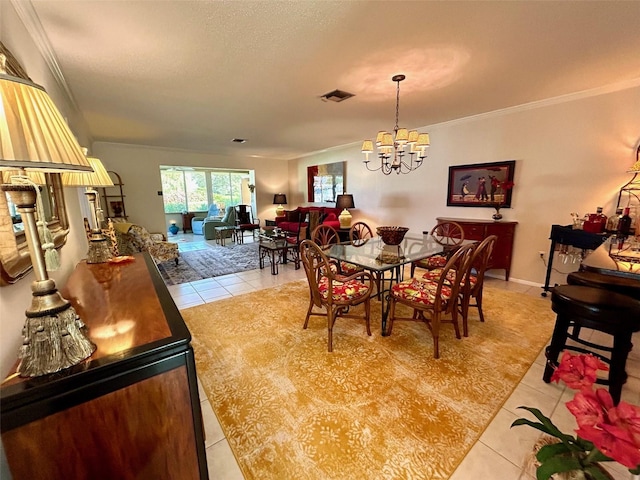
<point x="391" y="147"/>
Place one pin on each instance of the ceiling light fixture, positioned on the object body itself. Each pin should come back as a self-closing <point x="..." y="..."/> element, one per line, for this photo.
<point x="391" y="147"/>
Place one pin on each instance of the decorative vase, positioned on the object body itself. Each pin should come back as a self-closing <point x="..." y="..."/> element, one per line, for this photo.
<point x="497" y="216"/>
<point x="173" y="229"/>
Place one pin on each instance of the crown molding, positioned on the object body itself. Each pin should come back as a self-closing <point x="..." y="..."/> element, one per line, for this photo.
<point x="31" y="21"/>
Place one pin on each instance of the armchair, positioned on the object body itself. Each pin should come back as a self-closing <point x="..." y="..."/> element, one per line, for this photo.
<point x="212" y="214"/>
<point x="133" y="238"/>
<point x="208" y="225"/>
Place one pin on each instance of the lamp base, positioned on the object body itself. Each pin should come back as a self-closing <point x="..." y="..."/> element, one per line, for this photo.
<point x="345" y="219"/>
<point x="280" y="211"/>
<point x="53" y="336"/>
<point x="99" y="251"/>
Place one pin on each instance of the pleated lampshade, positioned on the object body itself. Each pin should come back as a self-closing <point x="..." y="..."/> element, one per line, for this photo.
<point x="98" y="178"/>
<point x="33" y="133"/>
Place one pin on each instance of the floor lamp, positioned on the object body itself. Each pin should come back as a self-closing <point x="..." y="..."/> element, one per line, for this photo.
<point x="99" y="251"/>
<point x="33" y="135"/>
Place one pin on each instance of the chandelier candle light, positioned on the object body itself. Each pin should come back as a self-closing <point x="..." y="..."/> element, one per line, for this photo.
<point x="391" y="148"/>
<point x="33" y="135"/>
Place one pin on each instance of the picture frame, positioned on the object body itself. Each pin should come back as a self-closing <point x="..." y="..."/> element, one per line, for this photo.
<point x="481" y="184"/>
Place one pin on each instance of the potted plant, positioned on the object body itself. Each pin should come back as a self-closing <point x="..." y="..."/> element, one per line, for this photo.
<point x="606" y="432"/>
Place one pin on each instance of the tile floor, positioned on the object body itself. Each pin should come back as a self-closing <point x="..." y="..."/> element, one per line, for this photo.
<point x="499" y="454"/>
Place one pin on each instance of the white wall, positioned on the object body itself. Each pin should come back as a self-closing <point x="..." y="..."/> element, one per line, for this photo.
<point x="139" y="168"/>
<point x="15" y="299"/>
<point x="571" y="156"/>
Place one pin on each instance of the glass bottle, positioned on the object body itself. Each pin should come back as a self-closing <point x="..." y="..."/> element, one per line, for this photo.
<point x="612" y="222"/>
<point x="624" y="224"/>
<point x="602" y="218"/>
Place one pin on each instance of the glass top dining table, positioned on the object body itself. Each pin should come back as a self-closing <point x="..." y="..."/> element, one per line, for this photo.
<point x="373" y="255"/>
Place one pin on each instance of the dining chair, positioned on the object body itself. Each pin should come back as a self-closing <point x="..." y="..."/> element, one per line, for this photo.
<point x="471" y="284"/>
<point x="325" y="236"/>
<point x="449" y="234"/>
<point x="436" y="298"/>
<point x="334" y="294"/>
<point x="359" y="233"/>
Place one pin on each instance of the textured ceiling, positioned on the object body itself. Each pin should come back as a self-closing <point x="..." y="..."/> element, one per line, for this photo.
<point x="195" y="74"/>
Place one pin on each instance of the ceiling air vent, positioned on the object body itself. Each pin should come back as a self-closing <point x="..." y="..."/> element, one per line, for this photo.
<point x="336" y="96"/>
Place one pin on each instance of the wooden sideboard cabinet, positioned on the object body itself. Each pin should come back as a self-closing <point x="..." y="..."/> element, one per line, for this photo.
<point x="186" y="221"/>
<point x="130" y="411"/>
<point x="476" y="229"/>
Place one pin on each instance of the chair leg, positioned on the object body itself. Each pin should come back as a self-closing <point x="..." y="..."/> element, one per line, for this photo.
<point x="454" y="320"/>
<point x="435" y="331"/>
<point x="465" y="313"/>
<point x="306" y="320"/>
<point x="392" y="315"/>
<point x="367" y="313"/>
<point x="479" y="305"/>
<point x="413" y="269"/>
<point x="330" y="322"/>
<point x="558" y="342"/>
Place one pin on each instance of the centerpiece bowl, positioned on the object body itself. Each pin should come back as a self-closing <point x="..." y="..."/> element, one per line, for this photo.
<point x="392" y="235"/>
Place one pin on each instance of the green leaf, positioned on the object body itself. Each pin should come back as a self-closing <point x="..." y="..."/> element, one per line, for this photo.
<point x="596" y="456"/>
<point x="557" y="465"/>
<point x="597" y="473"/>
<point x="548" y="451"/>
<point x="545" y="426"/>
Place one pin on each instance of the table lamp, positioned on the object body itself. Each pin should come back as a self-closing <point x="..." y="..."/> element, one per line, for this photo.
<point x="99" y="251"/>
<point x="34" y="136"/>
<point x="280" y="199"/>
<point x="345" y="202"/>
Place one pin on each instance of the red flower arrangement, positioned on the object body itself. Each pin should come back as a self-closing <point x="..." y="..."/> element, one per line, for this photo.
<point x="606" y="432"/>
<point x="497" y="185"/>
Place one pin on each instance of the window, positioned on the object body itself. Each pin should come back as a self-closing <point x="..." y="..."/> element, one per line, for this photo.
<point x="193" y="190"/>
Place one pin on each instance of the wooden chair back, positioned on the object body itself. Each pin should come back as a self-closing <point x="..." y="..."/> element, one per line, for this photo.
<point x="448" y="233"/>
<point x="360" y="233"/>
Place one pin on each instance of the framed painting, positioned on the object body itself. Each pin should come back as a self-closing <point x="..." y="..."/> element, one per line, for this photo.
<point x="325" y="182"/>
<point x="481" y="184"/>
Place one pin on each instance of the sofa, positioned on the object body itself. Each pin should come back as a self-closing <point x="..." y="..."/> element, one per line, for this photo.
<point x="300" y="222"/>
<point x="207" y="226"/>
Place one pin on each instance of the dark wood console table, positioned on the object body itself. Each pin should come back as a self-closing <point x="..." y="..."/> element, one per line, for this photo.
<point x="132" y="409"/>
<point x="567" y="235"/>
<point x="478" y="229"/>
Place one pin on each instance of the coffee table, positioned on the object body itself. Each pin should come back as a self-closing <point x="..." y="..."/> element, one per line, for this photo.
<point x="277" y="250"/>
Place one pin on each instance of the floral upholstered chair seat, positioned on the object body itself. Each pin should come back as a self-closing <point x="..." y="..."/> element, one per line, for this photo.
<point x="343" y="291"/>
<point x="435" y="274"/>
<point x="134" y="238"/>
<point x="420" y="291"/>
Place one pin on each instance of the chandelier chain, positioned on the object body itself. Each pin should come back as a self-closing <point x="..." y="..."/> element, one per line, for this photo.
<point x="397" y="105"/>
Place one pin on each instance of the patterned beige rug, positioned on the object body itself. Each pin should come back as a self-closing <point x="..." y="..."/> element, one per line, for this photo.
<point x="377" y="407"/>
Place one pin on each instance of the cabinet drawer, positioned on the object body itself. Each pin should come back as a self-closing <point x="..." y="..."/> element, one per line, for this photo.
<point x="474" y="232"/>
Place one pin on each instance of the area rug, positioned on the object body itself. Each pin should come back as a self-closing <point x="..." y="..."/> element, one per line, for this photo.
<point x="377" y="407"/>
<point x="210" y="262"/>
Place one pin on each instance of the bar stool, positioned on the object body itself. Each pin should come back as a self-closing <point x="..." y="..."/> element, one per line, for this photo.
<point x="626" y="286"/>
<point x="587" y="307"/>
